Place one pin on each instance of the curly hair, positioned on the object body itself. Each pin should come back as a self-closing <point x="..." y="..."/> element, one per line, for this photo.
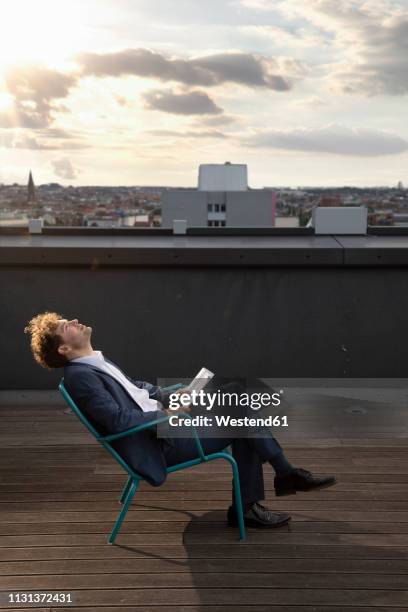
<point x="45" y="340"/>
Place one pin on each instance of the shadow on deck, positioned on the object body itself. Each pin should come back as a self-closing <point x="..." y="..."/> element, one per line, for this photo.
<point x="346" y="548"/>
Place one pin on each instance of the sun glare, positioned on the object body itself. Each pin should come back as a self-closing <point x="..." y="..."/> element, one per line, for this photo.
<point x="6" y="101"/>
<point x="45" y="31"/>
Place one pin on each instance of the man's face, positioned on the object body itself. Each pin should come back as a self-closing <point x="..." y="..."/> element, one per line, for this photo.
<point x="74" y="335"/>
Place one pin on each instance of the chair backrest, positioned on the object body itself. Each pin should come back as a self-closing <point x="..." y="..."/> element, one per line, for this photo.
<point x="77" y="411"/>
<point x="94" y="432"/>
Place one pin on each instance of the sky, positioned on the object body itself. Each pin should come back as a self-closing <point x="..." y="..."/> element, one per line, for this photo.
<point x="140" y="92"/>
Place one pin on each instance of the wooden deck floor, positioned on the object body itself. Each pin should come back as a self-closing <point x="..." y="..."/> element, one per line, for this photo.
<point x="346" y="548"/>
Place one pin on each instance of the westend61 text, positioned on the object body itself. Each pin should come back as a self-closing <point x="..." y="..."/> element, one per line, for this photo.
<point x="228" y="421"/>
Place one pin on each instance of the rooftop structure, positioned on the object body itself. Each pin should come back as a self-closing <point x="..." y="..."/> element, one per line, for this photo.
<point x="221" y="200"/>
<point x="223" y="177"/>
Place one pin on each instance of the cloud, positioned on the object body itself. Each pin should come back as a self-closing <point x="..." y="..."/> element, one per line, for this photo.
<point x="57" y="133"/>
<point x="372" y="37"/>
<point x="6" y="139"/>
<point x="50" y="140"/>
<point x="247" y="69"/>
<point x="310" y="101"/>
<point x="290" y="37"/>
<point x="34" y="90"/>
<point x="187" y="134"/>
<point x="259" y="5"/>
<point x="122" y="101"/>
<point x="190" y="103"/>
<point x="29" y="142"/>
<point x="64" y="169"/>
<point x="10" y="140"/>
<point x="334" y="139"/>
<point x="187" y="12"/>
<point x="216" y="120"/>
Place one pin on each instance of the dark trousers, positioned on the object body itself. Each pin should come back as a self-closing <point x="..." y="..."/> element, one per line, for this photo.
<point x="249" y="452"/>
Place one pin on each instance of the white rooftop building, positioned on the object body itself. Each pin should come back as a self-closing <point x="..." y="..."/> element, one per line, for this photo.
<point x="223" y="177"/>
<point x="222" y="199"/>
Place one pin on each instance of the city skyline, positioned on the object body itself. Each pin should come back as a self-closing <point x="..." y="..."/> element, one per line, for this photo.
<point x="306" y="92"/>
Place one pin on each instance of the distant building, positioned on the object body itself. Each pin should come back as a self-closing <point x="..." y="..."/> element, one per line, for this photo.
<point x="328" y="200"/>
<point x="114" y="220"/>
<point x="142" y="221"/>
<point x="31" y="197"/>
<point x="222" y="199"/>
<point x="102" y="221"/>
<point x="287" y="222"/>
<point x="13" y="219"/>
<point x="400" y="219"/>
<point x="33" y="202"/>
<point x="49" y="219"/>
<point x="386" y="217"/>
<point x="223" y="177"/>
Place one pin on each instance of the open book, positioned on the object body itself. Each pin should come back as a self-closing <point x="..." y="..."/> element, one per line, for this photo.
<point x="200" y="381"/>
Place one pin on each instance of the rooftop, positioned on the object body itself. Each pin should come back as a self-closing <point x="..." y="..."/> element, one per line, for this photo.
<point x="344" y="550"/>
<point x="274" y="303"/>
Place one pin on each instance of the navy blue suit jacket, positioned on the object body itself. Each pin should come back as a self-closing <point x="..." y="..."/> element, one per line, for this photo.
<point x="111" y="409"/>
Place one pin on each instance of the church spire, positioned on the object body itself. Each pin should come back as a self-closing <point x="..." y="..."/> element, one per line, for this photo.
<point x="31" y="189"/>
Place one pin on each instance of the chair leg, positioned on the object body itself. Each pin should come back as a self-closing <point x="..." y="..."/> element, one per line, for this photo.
<point x="122" y="514"/>
<point x="237" y="494"/>
<point x="238" y="502"/>
<point x="125" y="490"/>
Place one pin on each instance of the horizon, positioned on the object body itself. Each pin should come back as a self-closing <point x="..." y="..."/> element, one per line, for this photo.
<point x="151" y="185"/>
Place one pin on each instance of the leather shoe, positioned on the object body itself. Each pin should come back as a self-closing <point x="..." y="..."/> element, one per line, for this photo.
<point x="258" y="516"/>
<point x="300" y="480"/>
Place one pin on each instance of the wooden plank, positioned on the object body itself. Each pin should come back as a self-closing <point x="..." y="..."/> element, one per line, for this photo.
<point x="298" y="503"/>
<point x="200" y="526"/>
<point x="84" y="438"/>
<point x="272" y="538"/>
<point x="150" y="514"/>
<point x="205" y="580"/>
<point x="365" y="441"/>
<point x="317" y="468"/>
<point x="150" y="565"/>
<point x="224" y="608"/>
<point x="239" y="596"/>
<point x="218" y="496"/>
<point x="173" y="486"/>
<point x="335" y="452"/>
<point x="185" y="477"/>
<point x="234" y="549"/>
<point x="349" y="465"/>
<point x="20" y="440"/>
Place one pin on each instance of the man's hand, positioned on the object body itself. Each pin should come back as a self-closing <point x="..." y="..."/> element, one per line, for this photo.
<point x="173" y="411"/>
<point x="182" y="407"/>
<point x="182" y="390"/>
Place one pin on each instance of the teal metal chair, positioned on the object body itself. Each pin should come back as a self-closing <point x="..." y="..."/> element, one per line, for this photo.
<point x="133" y="480"/>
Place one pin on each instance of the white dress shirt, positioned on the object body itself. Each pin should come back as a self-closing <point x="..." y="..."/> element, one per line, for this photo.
<point x="140" y="396"/>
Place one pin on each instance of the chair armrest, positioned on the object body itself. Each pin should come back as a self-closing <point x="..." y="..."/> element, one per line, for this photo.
<point x="132" y="430"/>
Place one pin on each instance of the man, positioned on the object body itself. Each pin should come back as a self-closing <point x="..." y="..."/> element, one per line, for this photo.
<point x="113" y="402"/>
